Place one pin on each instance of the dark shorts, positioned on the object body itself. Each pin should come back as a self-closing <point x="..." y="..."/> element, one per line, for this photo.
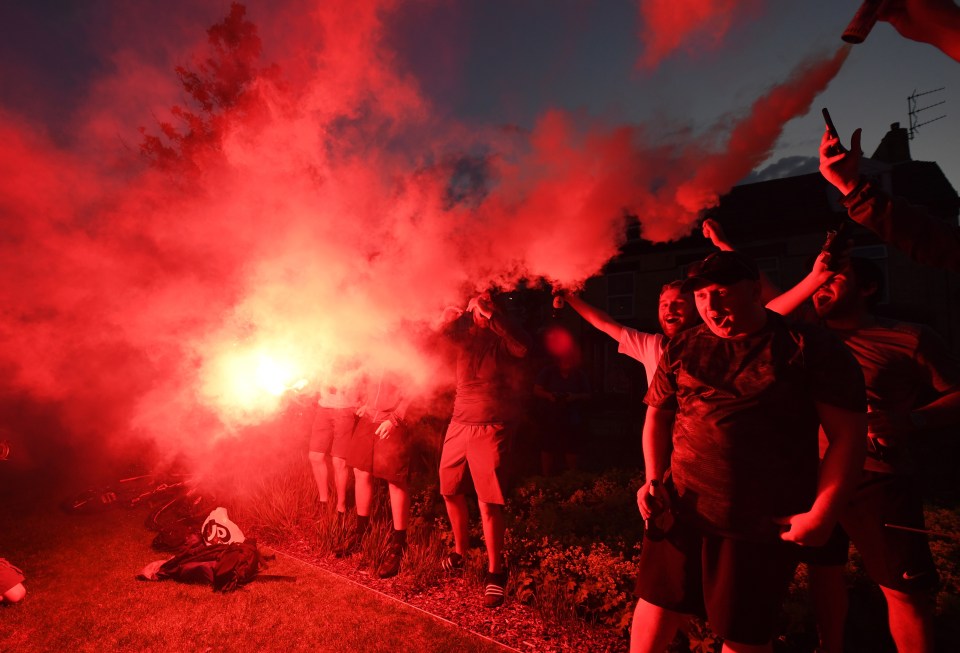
<point x="835" y="552"/>
<point x="481" y="450"/>
<point x="387" y="458"/>
<point x="331" y="430"/>
<point x="10" y="576"/>
<point x="737" y="585"/>
<point x="893" y="558"/>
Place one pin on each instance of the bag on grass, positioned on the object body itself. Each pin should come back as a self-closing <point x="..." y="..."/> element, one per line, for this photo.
<point x="225" y="566"/>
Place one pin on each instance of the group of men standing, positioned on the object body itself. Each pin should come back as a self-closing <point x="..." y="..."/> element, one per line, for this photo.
<point x="365" y="431"/>
<point x="769" y="440"/>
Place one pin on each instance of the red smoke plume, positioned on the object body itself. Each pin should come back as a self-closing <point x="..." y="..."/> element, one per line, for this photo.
<point x="312" y="218"/>
<point x="692" y="25"/>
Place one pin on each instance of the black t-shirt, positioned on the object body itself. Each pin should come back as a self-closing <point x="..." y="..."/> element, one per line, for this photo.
<point x="745" y="435"/>
<point x="905" y="366"/>
<point x="486" y="360"/>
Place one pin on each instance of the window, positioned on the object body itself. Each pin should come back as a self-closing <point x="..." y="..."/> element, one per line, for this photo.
<point x="620" y="294"/>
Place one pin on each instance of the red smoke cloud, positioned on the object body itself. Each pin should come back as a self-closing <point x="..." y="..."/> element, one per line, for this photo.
<point x="692" y="25"/>
<point x="322" y="227"/>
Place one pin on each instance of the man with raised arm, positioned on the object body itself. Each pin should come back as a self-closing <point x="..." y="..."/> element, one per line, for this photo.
<point x="734" y="410"/>
<point x="675" y="311"/>
<point x="476" y="446"/>
<point x="913" y="385"/>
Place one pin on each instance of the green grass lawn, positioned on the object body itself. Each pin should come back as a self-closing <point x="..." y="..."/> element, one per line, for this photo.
<point x="82" y="596"/>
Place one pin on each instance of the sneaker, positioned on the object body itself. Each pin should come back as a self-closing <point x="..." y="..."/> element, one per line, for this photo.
<point x="496" y="589"/>
<point x="452" y="562"/>
<point x="390" y="565"/>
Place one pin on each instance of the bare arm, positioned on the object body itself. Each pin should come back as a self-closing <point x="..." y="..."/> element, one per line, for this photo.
<point x="597" y="318"/>
<point x="840" y="471"/>
<point x="657" y="443"/>
<point x="936" y="22"/>
<point x="790" y="300"/>
<point x="514" y="337"/>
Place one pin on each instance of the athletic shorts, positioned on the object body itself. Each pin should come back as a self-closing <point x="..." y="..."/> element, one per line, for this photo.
<point x="737" y="585"/>
<point x="480" y="450"/>
<point x="893" y="558"/>
<point x="10" y="576"/>
<point x="387" y="458"/>
<point x="331" y="430"/>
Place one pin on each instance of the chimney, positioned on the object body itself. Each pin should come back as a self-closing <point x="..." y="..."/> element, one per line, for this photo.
<point x="895" y="146"/>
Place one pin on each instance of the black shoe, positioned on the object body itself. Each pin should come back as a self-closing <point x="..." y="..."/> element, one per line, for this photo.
<point x="390" y="565"/>
<point x="452" y="563"/>
<point x="496" y="589"/>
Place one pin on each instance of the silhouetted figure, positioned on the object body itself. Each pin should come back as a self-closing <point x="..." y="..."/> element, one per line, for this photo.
<point x="913" y="384"/>
<point x="563" y="390"/>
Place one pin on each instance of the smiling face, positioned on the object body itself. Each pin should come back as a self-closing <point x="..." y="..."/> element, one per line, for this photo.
<point x="836" y="298"/>
<point x="733" y="310"/>
<point x="676" y="311"/>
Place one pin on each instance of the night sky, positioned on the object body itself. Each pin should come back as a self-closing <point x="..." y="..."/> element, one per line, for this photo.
<point x="499" y="62"/>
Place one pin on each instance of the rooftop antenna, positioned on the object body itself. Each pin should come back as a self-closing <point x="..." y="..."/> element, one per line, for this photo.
<point x="913" y="112"/>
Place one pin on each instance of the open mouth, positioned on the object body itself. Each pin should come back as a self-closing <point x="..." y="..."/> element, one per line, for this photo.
<point x="822" y="299"/>
<point x="671" y="320"/>
<point x="722" y="321"/>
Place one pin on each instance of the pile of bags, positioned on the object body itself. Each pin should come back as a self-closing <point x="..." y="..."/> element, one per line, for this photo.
<point x="218" y="555"/>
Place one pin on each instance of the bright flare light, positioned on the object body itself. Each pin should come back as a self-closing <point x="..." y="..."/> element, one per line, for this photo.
<point x="245" y="384"/>
<point x="274" y="376"/>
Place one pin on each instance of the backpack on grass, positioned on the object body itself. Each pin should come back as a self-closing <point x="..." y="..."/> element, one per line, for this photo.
<point x="225" y="566"/>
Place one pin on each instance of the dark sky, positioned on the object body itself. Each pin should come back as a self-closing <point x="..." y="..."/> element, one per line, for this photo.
<point x="498" y="61"/>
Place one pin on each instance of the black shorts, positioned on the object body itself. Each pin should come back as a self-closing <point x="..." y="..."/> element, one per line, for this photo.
<point x="737" y="585"/>
<point x="387" y="458"/>
<point x="893" y="558"/>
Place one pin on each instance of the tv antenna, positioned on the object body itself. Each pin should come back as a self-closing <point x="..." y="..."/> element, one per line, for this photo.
<point x="914" y="112"/>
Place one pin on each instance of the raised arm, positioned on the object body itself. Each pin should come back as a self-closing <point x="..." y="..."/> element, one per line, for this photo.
<point x="922" y="237"/>
<point x="597" y="318"/>
<point x="936" y="22"/>
<point x="514" y="337"/>
<point x="790" y="300"/>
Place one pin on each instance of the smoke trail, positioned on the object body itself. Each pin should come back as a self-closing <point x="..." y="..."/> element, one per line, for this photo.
<point x="309" y="224"/>
<point x="752" y="139"/>
<point x="694" y="25"/>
